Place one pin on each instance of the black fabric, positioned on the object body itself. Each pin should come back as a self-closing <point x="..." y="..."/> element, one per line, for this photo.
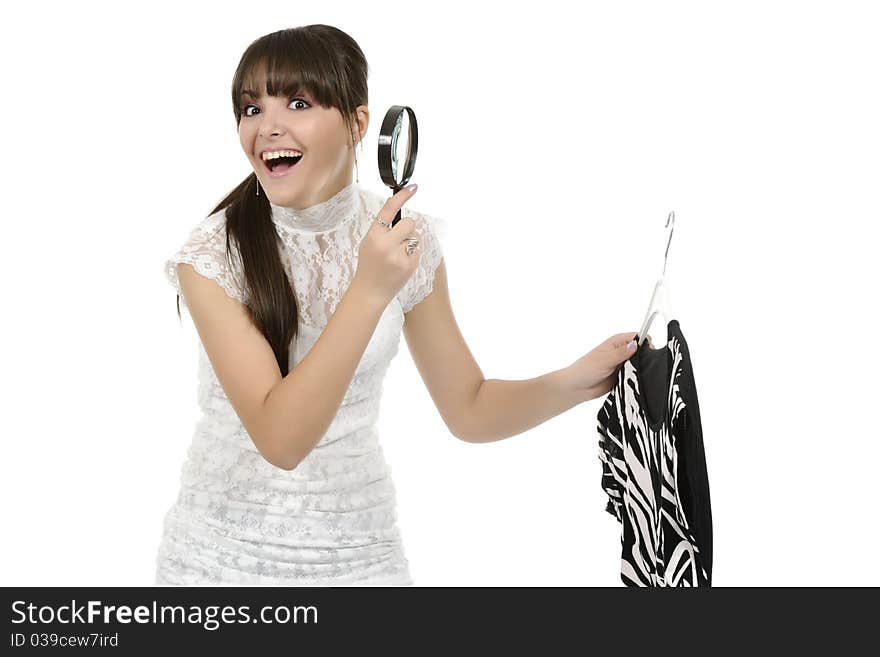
<point x="654" y="467"/>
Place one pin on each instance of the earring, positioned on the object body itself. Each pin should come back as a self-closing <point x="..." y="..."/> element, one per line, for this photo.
<point x="258" y="187"/>
<point x="360" y="143"/>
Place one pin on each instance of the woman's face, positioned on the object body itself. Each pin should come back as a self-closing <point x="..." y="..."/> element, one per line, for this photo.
<point x="271" y="123"/>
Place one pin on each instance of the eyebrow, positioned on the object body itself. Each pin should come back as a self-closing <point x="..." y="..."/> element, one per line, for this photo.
<point x="256" y="96"/>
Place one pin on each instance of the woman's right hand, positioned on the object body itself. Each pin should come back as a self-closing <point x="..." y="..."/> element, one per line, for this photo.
<point x="383" y="265"/>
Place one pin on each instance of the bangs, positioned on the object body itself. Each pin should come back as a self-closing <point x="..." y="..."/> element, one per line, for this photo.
<point x="279" y="83"/>
<point x="288" y="72"/>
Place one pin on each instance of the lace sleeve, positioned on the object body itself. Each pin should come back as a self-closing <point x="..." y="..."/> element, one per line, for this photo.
<point x="205" y="250"/>
<point x="431" y="232"/>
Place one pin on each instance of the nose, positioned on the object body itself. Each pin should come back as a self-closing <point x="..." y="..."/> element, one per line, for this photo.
<point x="270" y="123"/>
<point x="269" y="128"/>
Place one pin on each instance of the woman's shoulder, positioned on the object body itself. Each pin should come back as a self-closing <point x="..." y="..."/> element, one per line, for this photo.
<point x="209" y="229"/>
<point x="206" y="251"/>
<point x="205" y="241"/>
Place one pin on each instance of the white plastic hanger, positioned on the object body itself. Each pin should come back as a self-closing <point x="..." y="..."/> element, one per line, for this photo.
<point x="659" y="300"/>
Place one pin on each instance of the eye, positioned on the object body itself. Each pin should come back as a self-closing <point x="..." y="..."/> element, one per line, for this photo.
<point x="244" y="108"/>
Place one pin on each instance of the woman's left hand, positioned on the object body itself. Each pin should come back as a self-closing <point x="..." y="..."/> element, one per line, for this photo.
<point x="594" y="374"/>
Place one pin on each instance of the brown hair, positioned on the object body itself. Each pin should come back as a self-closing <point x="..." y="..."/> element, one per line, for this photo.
<point x="328" y="64"/>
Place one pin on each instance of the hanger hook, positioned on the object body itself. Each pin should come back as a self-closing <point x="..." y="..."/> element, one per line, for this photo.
<point x="669" y="220"/>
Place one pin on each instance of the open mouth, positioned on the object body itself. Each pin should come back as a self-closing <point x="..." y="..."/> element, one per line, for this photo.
<point x="281" y="165"/>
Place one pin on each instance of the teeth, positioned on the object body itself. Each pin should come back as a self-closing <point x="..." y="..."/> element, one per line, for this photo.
<point x="276" y="154"/>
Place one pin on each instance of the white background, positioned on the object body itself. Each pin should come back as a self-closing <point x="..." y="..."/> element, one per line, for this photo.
<point x="554" y="138"/>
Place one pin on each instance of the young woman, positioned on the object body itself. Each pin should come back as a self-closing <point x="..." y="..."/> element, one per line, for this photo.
<point x="299" y="289"/>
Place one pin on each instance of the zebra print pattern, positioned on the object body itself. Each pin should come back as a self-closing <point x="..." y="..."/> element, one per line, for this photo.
<point x="648" y="488"/>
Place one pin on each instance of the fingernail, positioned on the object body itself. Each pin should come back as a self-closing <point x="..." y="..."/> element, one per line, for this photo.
<point x="412" y="188"/>
<point x="631" y="345"/>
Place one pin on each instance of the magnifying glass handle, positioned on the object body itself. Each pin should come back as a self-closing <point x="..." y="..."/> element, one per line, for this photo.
<point x="396" y="188"/>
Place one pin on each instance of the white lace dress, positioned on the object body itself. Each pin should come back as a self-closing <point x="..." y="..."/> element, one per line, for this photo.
<point x="332" y="520"/>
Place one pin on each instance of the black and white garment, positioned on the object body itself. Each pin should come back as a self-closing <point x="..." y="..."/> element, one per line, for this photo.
<point x="654" y="467"/>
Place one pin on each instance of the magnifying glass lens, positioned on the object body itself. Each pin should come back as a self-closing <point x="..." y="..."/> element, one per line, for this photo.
<point x="400" y="146"/>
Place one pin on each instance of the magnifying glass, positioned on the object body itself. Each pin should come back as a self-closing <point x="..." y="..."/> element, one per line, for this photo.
<point x="399" y="128"/>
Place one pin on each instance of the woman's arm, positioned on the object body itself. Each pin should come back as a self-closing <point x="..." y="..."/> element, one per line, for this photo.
<point x="310" y="399"/>
<point x="474" y="408"/>
<point x="285" y="417"/>
<point x="479" y="410"/>
<point x="501" y="409"/>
